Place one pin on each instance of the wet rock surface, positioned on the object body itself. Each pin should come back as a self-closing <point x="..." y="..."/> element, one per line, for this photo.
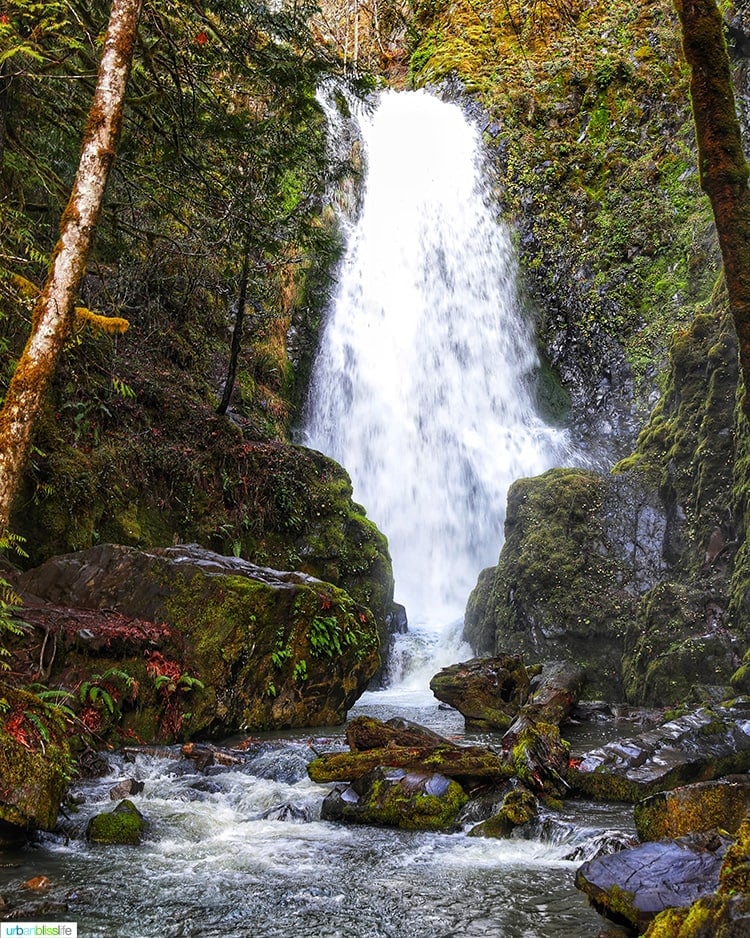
<point x="488" y="692"/>
<point x="638" y="883"/>
<point x="124" y="825"/>
<point x="700" y="746"/>
<point x="398" y="797"/>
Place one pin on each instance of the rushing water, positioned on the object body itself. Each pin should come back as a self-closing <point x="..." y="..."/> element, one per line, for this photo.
<point x="422" y="390"/>
<point x="241" y="852"/>
<point x="422" y="387"/>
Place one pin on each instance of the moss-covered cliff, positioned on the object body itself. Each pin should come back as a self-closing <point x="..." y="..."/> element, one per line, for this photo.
<point x="586" y="115"/>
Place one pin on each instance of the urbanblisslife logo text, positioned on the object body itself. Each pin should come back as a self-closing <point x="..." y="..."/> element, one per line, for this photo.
<point x="39" y="930"/>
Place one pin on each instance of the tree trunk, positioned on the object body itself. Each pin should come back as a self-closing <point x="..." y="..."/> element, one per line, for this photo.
<point x="239" y="319"/>
<point x="721" y="160"/>
<point x="53" y="313"/>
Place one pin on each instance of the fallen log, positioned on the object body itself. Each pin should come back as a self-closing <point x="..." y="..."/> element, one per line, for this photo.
<point x="469" y="762"/>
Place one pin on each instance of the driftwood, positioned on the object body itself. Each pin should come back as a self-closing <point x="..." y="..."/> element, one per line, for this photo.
<point x="539" y="755"/>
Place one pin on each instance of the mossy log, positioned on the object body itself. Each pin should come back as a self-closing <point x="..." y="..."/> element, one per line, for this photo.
<point x="460" y="762"/>
<point x="558" y="691"/>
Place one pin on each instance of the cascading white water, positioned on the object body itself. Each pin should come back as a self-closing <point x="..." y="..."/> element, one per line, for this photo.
<point x="421" y="387"/>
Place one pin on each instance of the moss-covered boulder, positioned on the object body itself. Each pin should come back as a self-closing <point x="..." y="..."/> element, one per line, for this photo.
<point x="35" y="763"/>
<point x="634" y="575"/>
<point x="518" y="808"/>
<point x="722" y="804"/>
<point x="243" y="647"/>
<point x="726" y="913"/>
<point x="395" y="797"/>
<point x="561" y="586"/>
<point x="274" y="504"/>
<point x="678" y="649"/>
<point x="488" y="692"/>
<point x="123" y="825"/>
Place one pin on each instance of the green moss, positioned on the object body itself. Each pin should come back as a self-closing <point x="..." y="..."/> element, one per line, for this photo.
<point x="557" y="586"/>
<point x="394" y="805"/>
<point x="519" y="807"/>
<point x="35" y="760"/>
<point x="125" y="825"/>
<point x="597" y="159"/>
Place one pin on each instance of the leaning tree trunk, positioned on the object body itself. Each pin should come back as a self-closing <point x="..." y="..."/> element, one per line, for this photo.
<point x="53" y="313"/>
<point x="721" y="159"/>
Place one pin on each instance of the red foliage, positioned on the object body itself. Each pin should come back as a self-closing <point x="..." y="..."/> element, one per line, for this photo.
<point x="92" y="719"/>
<point x="159" y="666"/>
<point x="18" y="728"/>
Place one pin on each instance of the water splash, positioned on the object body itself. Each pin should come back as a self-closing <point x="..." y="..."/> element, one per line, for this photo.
<point x="422" y="384"/>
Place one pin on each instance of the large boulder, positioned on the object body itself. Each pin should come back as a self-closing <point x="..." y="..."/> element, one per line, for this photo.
<point x="235" y="645"/>
<point x="488" y="691"/>
<point x="567" y="582"/>
<point x="703" y="745"/>
<point x="634" y="575"/>
<point x="277" y="505"/>
<point x="726" y="913"/>
<point x="722" y="804"/>
<point x="638" y="883"/>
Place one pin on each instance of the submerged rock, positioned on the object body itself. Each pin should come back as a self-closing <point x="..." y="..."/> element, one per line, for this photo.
<point x="397" y="797"/>
<point x="705" y="806"/>
<point x="700" y="746"/>
<point x="638" y="883"/>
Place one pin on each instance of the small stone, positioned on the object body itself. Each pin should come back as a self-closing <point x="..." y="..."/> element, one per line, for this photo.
<point x="128" y="786"/>
<point x="124" y="825"/>
<point x="37" y="883"/>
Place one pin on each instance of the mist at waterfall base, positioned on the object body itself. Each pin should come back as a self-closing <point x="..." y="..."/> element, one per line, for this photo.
<point x="422" y="387"/>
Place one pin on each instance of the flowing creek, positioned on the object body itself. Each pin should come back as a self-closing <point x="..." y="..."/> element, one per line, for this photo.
<point x="423" y="391"/>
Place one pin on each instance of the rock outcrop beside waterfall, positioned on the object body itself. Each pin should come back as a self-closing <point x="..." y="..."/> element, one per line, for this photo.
<point x="200" y="643"/>
<point x="636" y="575"/>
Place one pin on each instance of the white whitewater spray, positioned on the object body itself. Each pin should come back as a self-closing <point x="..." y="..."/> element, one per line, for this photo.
<point x="421" y="384"/>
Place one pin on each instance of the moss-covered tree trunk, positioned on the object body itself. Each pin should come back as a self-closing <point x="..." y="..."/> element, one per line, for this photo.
<point x="53" y="313"/>
<point x="721" y="160"/>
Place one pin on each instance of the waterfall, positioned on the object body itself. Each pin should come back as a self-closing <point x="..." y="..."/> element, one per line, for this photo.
<point x="421" y="387"/>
